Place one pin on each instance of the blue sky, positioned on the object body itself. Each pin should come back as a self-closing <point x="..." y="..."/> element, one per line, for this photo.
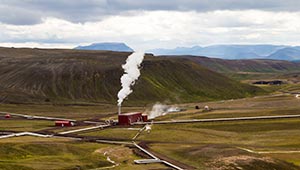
<point x="147" y="24"/>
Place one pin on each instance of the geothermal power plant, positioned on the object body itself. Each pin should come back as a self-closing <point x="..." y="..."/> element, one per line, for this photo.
<point x="131" y="74"/>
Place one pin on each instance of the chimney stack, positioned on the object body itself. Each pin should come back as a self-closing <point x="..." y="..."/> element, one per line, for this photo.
<point x="119" y="109"/>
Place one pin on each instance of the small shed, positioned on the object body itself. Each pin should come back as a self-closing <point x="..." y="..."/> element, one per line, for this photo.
<point x="7" y="116"/>
<point x="64" y="123"/>
<point x="129" y="118"/>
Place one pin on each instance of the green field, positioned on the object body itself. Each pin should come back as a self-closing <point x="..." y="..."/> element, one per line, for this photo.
<point x="36" y="153"/>
<point x="113" y="133"/>
<point x="32" y="153"/>
<point x="24" y="125"/>
<point x="99" y="111"/>
<point x="255" y="144"/>
<point x="177" y="141"/>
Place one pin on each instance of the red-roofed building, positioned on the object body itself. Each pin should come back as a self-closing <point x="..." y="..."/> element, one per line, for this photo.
<point x="129" y="118"/>
<point x="64" y="123"/>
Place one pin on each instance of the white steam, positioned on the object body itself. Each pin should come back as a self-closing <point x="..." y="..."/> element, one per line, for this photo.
<point x="131" y="74"/>
<point x="161" y="110"/>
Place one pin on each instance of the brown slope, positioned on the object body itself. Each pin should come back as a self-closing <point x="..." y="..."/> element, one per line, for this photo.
<point x="41" y="75"/>
<point x="251" y="65"/>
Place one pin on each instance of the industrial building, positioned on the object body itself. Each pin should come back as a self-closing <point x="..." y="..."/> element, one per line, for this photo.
<point x="129" y="118"/>
<point x="64" y="123"/>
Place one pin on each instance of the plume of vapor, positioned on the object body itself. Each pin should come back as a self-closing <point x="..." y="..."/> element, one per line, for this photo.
<point x="131" y="74"/>
<point x="160" y="110"/>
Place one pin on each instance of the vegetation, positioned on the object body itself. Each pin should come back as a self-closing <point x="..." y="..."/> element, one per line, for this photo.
<point x="24" y="125"/>
<point x="113" y="133"/>
<point x="32" y="153"/>
<point x="252" y="69"/>
<point x="203" y="145"/>
<point x="81" y="77"/>
<point x="246" y="66"/>
<point x="35" y="153"/>
<point x="82" y="85"/>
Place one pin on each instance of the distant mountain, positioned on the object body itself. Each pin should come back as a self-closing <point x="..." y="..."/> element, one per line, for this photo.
<point x="236" y="51"/>
<point x="177" y="51"/>
<point x="106" y="46"/>
<point x="288" y="53"/>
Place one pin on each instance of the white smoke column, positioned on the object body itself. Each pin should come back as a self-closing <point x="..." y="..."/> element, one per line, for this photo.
<point x="131" y="74"/>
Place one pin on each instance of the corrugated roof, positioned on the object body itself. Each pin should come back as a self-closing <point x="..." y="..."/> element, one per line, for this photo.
<point x="131" y="113"/>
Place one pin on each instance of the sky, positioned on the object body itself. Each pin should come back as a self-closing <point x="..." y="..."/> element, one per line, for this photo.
<point x="148" y="24"/>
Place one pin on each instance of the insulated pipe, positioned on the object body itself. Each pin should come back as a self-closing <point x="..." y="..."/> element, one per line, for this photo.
<point x="119" y="109"/>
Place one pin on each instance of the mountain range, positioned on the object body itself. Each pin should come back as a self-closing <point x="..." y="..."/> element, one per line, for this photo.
<point x="108" y="46"/>
<point x="278" y="52"/>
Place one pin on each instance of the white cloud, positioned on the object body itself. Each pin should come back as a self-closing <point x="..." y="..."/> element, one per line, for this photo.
<point x="162" y="29"/>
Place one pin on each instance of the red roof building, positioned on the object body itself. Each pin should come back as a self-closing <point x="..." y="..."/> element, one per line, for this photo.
<point x="64" y="123"/>
<point x="7" y="116"/>
<point x="129" y="118"/>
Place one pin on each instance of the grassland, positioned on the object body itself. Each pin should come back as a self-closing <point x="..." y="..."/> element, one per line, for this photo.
<point x="124" y="133"/>
<point x="246" y="67"/>
<point x="22" y="125"/>
<point x="210" y="145"/>
<point x="206" y="145"/>
<point x="226" y="145"/>
<point x="36" y="153"/>
<point x="31" y="153"/>
<point x="78" y="112"/>
<point x="82" y="85"/>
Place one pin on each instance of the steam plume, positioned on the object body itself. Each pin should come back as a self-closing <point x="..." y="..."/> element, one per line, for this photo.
<point x="160" y="110"/>
<point x="131" y="74"/>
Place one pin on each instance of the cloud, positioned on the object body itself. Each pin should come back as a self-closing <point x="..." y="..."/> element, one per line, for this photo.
<point x="165" y="29"/>
<point x="18" y="16"/>
<point x="28" y="12"/>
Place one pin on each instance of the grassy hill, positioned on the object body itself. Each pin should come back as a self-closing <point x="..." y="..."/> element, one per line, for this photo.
<point x="246" y="69"/>
<point x="68" y="76"/>
<point x="251" y="65"/>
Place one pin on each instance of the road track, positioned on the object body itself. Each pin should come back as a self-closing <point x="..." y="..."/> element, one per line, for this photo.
<point x="219" y="119"/>
<point x="84" y="129"/>
<point x="37" y="117"/>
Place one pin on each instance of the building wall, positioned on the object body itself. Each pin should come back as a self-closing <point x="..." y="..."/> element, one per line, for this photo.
<point x="128" y="119"/>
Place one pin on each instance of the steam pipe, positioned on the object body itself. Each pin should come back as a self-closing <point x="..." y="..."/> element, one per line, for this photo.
<point x="119" y="109"/>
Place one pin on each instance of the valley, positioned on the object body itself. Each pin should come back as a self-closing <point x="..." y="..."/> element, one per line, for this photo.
<point x="80" y="85"/>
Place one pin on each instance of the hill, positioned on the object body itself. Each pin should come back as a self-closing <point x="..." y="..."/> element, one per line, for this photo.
<point x="68" y="76"/>
<point x="278" y="52"/>
<point x="106" y="46"/>
<point x="251" y="69"/>
<point x="250" y="65"/>
<point x="286" y="54"/>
